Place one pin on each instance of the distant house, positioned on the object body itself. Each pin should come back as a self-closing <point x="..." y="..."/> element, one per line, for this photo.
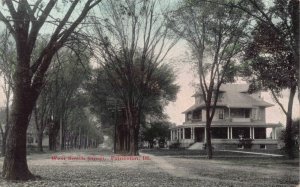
<point x="32" y="139"/>
<point x="31" y="131"/>
<point x="239" y="115"/>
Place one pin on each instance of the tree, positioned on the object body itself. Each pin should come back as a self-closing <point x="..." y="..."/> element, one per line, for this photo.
<point x="294" y="135"/>
<point x="25" y="21"/>
<point x="41" y="117"/>
<point x="131" y="44"/>
<point x="272" y="56"/>
<point x="160" y="90"/>
<point x="7" y="63"/>
<point x="61" y="94"/>
<point x="158" y="130"/>
<point x="215" y="35"/>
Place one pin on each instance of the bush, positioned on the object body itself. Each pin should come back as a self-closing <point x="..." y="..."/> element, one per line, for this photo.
<point x="174" y="145"/>
<point x="293" y="150"/>
<point x="246" y="142"/>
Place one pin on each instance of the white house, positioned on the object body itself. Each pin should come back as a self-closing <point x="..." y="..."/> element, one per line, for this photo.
<point x="238" y="115"/>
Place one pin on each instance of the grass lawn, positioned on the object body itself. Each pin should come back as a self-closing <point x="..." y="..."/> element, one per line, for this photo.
<point x="249" y="169"/>
<point x="165" y="168"/>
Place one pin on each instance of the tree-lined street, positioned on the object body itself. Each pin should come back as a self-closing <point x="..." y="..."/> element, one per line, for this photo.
<point x="78" y="73"/>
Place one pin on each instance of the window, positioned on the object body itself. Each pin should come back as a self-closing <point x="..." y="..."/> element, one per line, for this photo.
<point x="189" y="116"/>
<point x="262" y="146"/>
<point x="221" y="113"/>
<point x="253" y="113"/>
<point x="187" y="133"/>
<point x="260" y="133"/>
<point x="181" y="134"/>
<point x="240" y="132"/>
<point x="247" y="113"/>
<point x="220" y="97"/>
<point x="197" y="115"/>
<point x="219" y="132"/>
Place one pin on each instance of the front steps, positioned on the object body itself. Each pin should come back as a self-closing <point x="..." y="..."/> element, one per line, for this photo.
<point x="197" y="146"/>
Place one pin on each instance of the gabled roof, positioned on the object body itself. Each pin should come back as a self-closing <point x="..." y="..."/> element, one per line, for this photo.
<point x="193" y="107"/>
<point x="235" y="96"/>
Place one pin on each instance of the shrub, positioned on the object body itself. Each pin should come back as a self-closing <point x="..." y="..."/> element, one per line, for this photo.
<point x="175" y="145"/>
<point x="246" y="142"/>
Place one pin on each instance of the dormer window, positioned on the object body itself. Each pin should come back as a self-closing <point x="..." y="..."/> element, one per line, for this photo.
<point x="220" y="96"/>
<point x="221" y="113"/>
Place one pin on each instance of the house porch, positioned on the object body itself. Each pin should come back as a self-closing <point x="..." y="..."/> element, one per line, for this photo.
<point x="225" y="137"/>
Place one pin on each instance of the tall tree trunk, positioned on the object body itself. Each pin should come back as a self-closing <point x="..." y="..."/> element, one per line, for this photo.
<point x="132" y="150"/>
<point x="4" y="135"/>
<point x="75" y="141"/>
<point x="61" y="134"/>
<point x="24" y="98"/>
<point x="15" y="162"/>
<point x="208" y="123"/>
<point x="53" y="132"/>
<point x="208" y="139"/>
<point x="288" y="138"/>
<point x="134" y="132"/>
<point x="40" y="141"/>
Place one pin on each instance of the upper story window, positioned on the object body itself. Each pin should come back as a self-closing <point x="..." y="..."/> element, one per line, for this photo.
<point x="198" y="99"/>
<point x="221" y="113"/>
<point x="197" y="114"/>
<point x="189" y="116"/>
<point x="220" y="96"/>
<point x="240" y="112"/>
<point x="247" y="113"/>
<point x="255" y="114"/>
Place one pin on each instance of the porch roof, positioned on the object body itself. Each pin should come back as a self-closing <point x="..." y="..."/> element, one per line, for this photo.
<point x="230" y="124"/>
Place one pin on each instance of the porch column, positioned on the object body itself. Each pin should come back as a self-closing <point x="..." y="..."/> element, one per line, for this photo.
<point x="253" y="133"/>
<point x="228" y="132"/>
<point x="179" y="130"/>
<point x="204" y="134"/>
<point x="183" y="133"/>
<point x="174" y="134"/>
<point x="250" y="132"/>
<point x="178" y="137"/>
<point x="171" y="135"/>
<point x="274" y="133"/>
<point x="192" y="133"/>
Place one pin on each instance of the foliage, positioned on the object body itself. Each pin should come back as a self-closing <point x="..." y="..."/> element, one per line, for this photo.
<point x="295" y="137"/>
<point x="159" y="91"/>
<point x="246" y="142"/>
<point x="131" y="40"/>
<point x="175" y="145"/>
<point x="158" y="130"/>
<point x="272" y="56"/>
<point x="26" y="20"/>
